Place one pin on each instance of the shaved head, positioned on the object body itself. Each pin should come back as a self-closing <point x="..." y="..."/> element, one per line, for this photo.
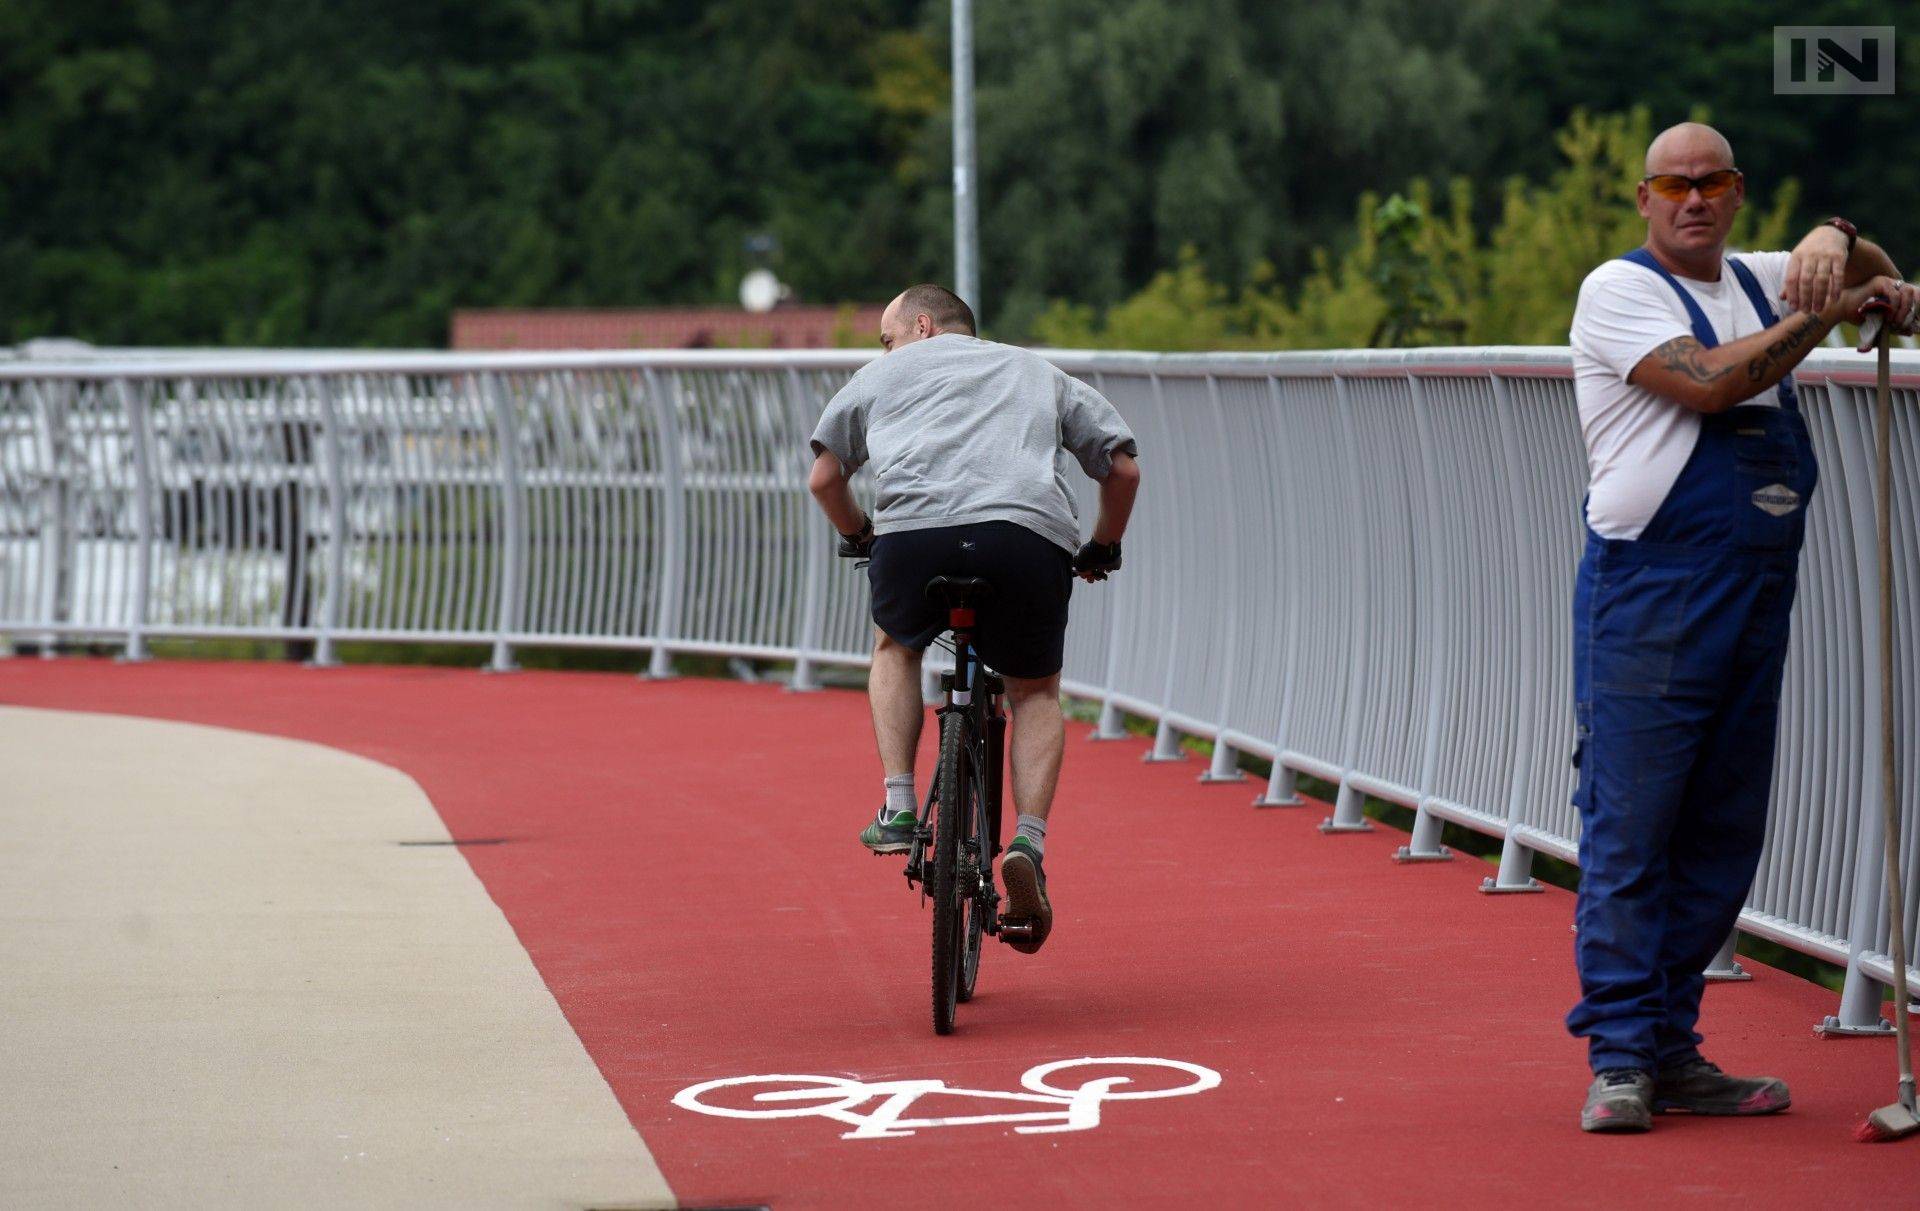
<point x="1688" y="231"/>
<point x="1691" y="148"/>
<point x="923" y="311"/>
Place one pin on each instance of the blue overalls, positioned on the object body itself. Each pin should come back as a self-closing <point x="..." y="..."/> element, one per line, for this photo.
<point x="1680" y="639"/>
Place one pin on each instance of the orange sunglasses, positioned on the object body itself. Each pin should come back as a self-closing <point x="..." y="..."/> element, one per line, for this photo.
<point x="1675" y="188"/>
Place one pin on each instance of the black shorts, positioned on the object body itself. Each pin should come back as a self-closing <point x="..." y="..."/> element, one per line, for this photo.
<point x="1022" y="628"/>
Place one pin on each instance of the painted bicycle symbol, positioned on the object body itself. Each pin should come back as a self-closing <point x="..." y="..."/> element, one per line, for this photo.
<point x="842" y="1099"/>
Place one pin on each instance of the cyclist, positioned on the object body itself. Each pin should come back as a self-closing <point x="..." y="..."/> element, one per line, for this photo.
<point x="966" y="439"/>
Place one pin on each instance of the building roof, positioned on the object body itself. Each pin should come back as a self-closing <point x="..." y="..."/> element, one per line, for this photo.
<point x="665" y="328"/>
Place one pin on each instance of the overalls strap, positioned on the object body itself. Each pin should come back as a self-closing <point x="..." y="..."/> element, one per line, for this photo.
<point x="1703" y="328"/>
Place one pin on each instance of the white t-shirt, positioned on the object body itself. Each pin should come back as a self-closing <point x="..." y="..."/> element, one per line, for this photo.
<point x="1637" y="442"/>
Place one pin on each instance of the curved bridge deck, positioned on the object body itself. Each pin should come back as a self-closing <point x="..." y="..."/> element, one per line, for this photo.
<point x="678" y="860"/>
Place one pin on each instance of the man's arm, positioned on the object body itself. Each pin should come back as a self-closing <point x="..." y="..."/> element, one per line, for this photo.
<point x="1117" y="491"/>
<point x="829" y="488"/>
<point x="1820" y="267"/>
<point x="1713" y="380"/>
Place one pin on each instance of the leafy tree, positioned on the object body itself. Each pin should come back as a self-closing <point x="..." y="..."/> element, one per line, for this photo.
<point x="1415" y="276"/>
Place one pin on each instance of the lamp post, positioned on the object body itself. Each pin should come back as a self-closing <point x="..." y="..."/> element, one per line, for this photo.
<point x="966" y="210"/>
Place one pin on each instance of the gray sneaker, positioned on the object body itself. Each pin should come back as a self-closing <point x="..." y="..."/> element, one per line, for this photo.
<point x="1620" y="1099"/>
<point x="1699" y="1087"/>
<point x="1027" y="902"/>
<point x="889" y="834"/>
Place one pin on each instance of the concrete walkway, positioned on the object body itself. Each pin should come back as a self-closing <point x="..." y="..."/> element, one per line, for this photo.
<point x="252" y="972"/>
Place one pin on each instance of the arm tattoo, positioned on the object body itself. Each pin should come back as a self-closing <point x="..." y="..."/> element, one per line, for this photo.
<point x="1682" y="356"/>
<point x="1787" y="348"/>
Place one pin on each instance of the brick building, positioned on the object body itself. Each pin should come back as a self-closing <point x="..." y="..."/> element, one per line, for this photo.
<point x="665" y="328"/>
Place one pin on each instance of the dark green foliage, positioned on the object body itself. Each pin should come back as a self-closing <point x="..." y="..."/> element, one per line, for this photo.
<point x="295" y="172"/>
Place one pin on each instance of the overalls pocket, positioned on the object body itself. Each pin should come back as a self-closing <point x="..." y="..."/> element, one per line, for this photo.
<point x="1773" y="462"/>
<point x="1639" y="615"/>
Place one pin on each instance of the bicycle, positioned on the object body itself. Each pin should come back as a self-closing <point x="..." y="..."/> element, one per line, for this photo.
<point x="957" y="836"/>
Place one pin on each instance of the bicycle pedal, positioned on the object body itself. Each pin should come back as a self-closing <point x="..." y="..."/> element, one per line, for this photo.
<point x="1017" y="930"/>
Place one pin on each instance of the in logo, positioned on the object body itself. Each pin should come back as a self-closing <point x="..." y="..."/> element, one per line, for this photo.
<point x="1851" y="59"/>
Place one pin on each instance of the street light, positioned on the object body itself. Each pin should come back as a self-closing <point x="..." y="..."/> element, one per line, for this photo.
<point x="966" y="211"/>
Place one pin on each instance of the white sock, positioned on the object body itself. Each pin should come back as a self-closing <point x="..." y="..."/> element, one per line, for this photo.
<point x="899" y="796"/>
<point x="1034" y="829"/>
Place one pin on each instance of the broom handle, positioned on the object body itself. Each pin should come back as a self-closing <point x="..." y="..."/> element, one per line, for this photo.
<point x="1883" y="508"/>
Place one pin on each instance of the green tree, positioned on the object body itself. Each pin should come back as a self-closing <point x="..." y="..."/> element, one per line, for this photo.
<point x="1415" y="275"/>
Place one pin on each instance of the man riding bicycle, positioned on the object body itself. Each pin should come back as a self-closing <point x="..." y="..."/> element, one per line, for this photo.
<point x="965" y="438"/>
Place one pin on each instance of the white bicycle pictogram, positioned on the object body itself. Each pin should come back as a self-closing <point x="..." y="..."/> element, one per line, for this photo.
<point x="839" y="1098"/>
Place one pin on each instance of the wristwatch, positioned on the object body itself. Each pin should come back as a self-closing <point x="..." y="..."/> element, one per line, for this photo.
<point x="1846" y="229"/>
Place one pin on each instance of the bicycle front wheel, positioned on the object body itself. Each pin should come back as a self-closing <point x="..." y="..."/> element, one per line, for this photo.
<point x="949" y="920"/>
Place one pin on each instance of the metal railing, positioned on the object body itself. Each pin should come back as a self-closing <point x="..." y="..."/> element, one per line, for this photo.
<point x="1358" y="565"/>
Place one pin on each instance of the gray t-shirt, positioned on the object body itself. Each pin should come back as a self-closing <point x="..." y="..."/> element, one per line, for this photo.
<point x="961" y="430"/>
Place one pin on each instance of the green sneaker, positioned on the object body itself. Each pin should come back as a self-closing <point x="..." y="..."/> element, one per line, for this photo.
<point x="1027" y="901"/>
<point x="889" y="836"/>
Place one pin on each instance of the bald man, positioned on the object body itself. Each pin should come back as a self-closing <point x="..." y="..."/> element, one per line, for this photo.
<point x="967" y="440"/>
<point x="1700" y="475"/>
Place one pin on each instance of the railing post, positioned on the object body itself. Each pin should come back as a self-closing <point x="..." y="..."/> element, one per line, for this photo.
<point x="673" y="539"/>
<point x="1424" y="845"/>
<point x="1349" y="814"/>
<point x="332" y="448"/>
<point x="1725" y="968"/>
<point x="1861" y="994"/>
<point x="1516" y="859"/>
<point x="1282" y="788"/>
<point x="818" y="550"/>
<point x="1108" y="726"/>
<point x="55" y="575"/>
<point x="1224" y="767"/>
<point x="1166" y="741"/>
<point x="140" y="430"/>
<point x="513" y="508"/>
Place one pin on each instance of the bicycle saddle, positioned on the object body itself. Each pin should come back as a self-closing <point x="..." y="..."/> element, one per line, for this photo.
<point x="959" y="590"/>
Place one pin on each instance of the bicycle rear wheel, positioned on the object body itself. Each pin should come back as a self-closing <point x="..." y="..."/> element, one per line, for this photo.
<point x="974" y="859"/>
<point x="949" y="924"/>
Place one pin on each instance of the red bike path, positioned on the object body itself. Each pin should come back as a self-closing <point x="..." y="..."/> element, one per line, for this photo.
<point x="679" y="860"/>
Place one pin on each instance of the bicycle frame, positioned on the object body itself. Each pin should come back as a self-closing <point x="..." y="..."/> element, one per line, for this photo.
<point x="986" y="756"/>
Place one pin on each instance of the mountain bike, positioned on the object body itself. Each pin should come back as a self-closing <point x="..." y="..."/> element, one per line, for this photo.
<point x="958" y="834"/>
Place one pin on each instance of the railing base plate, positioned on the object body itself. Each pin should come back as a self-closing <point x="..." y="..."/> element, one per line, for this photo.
<point x="1834" y="1028"/>
<point x="1493" y="887"/>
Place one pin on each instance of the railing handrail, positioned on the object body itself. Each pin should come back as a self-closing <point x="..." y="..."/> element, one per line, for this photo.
<point x="1554" y="361"/>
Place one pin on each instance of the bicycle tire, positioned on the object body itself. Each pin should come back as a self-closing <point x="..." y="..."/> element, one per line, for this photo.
<point x="955" y="807"/>
<point x="974" y="922"/>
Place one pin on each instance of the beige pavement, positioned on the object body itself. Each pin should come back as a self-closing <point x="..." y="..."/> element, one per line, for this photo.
<point x="226" y="985"/>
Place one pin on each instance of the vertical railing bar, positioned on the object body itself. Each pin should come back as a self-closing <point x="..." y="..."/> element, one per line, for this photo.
<point x="325" y="651"/>
<point x="1431" y="601"/>
<point x="1861" y="994"/>
<point x="1109" y="726"/>
<point x="1349" y="815"/>
<point x="134" y="404"/>
<point x="1280" y="791"/>
<point x="673" y="539"/>
<point x="1516" y="860"/>
<point x="1166" y="741"/>
<point x="1223" y="767"/>
<point x="512" y="555"/>
<point x="817" y="550"/>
